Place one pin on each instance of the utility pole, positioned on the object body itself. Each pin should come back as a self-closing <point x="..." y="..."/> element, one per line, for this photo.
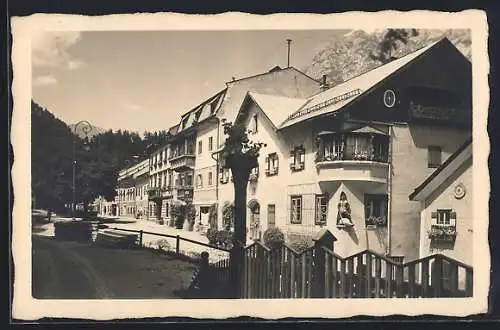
<point x="289" y="41"/>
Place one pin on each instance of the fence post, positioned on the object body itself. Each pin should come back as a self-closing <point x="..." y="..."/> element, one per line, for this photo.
<point x="204" y="274"/>
<point x="177" y="244"/>
<point x="324" y="239"/>
<point x="236" y="269"/>
<point x="140" y="238"/>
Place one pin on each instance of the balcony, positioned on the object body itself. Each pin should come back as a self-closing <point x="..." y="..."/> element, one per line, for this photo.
<point x="352" y="157"/>
<point x="158" y="193"/>
<point x="184" y="193"/>
<point x="182" y="162"/>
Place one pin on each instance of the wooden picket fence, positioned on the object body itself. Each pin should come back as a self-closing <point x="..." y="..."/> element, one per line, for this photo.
<point x="320" y="273"/>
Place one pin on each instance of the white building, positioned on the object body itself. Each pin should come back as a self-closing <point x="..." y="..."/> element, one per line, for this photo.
<point x="372" y="138"/>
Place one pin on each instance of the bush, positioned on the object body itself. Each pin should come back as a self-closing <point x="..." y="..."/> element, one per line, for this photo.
<point x="163" y="245"/>
<point x="228" y="215"/>
<point x="190" y="216"/>
<point x="299" y="242"/>
<point x="211" y="235"/>
<point x="273" y="238"/>
<point x="212" y="216"/>
<point x="179" y="214"/>
<point x="222" y="238"/>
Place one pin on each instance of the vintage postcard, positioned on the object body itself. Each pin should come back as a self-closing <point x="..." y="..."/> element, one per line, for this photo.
<point x="287" y="165"/>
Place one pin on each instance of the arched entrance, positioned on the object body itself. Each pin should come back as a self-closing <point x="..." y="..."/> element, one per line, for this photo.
<point x="254" y="223"/>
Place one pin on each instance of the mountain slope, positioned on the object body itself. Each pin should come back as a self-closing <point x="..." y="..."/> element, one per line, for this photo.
<point x="349" y="55"/>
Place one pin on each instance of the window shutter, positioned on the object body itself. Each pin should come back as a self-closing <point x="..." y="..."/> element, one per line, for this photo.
<point x="434" y="215"/>
<point x="453" y="215"/>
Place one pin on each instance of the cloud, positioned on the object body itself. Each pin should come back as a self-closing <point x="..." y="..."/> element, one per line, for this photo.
<point x="44" y="80"/>
<point x="133" y="107"/>
<point x="51" y="49"/>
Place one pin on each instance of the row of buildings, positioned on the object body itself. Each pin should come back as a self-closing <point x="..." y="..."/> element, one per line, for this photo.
<point x="382" y="160"/>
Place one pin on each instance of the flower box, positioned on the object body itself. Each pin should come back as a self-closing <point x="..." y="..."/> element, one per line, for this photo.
<point x="373" y="222"/>
<point x="442" y="233"/>
<point x="297" y="167"/>
<point x="272" y="171"/>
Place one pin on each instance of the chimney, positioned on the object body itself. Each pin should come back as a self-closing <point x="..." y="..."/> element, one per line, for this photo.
<point x="324" y="85"/>
<point x="289" y="41"/>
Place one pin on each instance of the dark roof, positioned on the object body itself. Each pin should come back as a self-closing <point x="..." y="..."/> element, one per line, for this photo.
<point x="275" y="69"/>
<point x="173" y="130"/>
<point x="440" y="168"/>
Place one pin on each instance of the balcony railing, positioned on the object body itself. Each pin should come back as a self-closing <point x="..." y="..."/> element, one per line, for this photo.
<point x="159" y="192"/>
<point x="353" y="147"/>
<point x="182" y="162"/>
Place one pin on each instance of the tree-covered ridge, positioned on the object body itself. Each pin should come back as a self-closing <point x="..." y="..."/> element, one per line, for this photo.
<point x="98" y="159"/>
<point x="348" y="56"/>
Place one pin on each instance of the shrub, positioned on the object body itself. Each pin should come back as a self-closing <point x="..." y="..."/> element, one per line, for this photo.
<point x="212" y="216"/>
<point x="299" y="242"/>
<point x="190" y="216"/>
<point x="273" y="237"/>
<point x="179" y="214"/>
<point x="222" y="238"/>
<point x="163" y="245"/>
<point x="212" y="236"/>
<point x="228" y="215"/>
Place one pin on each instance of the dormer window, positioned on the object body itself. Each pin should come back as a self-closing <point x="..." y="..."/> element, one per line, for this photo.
<point x="272" y="164"/>
<point x="298" y="155"/>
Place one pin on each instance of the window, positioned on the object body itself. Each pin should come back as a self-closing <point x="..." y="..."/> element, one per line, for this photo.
<point x="254" y="124"/>
<point x="298" y="155"/>
<point x="398" y="259"/>
<point x="433" y="156"/>
<point x="375" y="210"/>
<point x="271" y="215"/>
<point x="199" y="147"/>
<point x="224" y="175"/>
<point x="189" y="180"/>
<point x="444" y="217"/>
<point x="272" y="164"/>
<point x="321" y="209"/>
<point x="296" y="209"/>
<point x="199" y="181"/>
<point x="210" y="143"/>
<point x="209" y="178"/>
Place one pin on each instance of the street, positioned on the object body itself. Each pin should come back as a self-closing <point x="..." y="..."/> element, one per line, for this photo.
<point x="70" y="270"/>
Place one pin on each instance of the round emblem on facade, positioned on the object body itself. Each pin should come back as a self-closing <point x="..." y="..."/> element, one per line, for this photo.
<point x="459" y="191"/>
<point x="389" y="98"/>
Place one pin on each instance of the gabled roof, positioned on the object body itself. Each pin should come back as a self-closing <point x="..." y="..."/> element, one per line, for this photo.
<point x="443" y="172"/>
<point x="337" y="97"/>
<point x="275" y="69"/>
<point x="276" y="108"/>
<point x="203" y="111"/>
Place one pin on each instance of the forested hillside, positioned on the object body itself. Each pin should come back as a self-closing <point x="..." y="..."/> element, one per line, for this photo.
<point x="98" y="159"/>
<point x="353" y="54"/>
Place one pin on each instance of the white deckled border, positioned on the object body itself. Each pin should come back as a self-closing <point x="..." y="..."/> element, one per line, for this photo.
<point x="27" y="308"/>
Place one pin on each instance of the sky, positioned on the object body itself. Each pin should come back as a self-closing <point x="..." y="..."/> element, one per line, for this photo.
<point x="144" y="80"/>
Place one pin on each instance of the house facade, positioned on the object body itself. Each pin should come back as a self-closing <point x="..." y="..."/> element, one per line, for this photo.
<point x="446" y="208"/>
<point x="347" y="158"/>
<point x="131" y="198"/>
<point x="344" y="157"/>
<point x="185" y="170"/>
